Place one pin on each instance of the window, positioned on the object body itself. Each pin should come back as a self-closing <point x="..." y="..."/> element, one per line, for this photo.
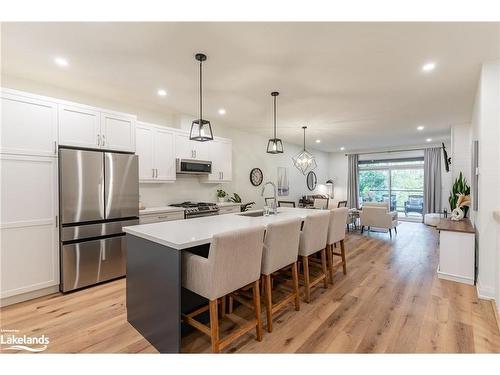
<point x="400" y="179"/>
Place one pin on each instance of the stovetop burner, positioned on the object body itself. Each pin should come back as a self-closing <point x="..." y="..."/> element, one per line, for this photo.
<point x="193" y="209"/>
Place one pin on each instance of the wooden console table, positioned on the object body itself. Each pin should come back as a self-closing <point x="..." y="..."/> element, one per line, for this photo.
<point x="456" y="250"/>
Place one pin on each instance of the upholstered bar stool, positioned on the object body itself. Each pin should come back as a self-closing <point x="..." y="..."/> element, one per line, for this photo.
<point x="234" y="261"/>
<point x="281" y="249"/>
<point x="312" y="240"/>
<point x="336" y="234"/>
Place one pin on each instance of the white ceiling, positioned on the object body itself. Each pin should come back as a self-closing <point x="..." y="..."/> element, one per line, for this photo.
<point x="358" y="85"/>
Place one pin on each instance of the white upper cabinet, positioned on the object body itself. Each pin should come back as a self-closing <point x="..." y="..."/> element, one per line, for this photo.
<point x="156" y="151"/>
<point x="79" y="126"/>
<point x="29" y="125"/>
<point x="82" y="126"/>
<point x="164" y="154"/>
<point x="144" y="149"/>
<point x="220" y="152"/>
<point x="118" y="132"/>
<point x="187" y="149"/>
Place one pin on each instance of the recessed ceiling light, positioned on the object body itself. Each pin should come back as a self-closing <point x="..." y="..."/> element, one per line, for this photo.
<point x="222" y="111"/>
<point x="428" y="67"/>
<point x="420" y="128"/>
<point x="342" y="148"/>
<point x="428" y="140"/>
<point x="162" y="92"/>
<point x="318" y="140"/>
<point x="61" y="61"/>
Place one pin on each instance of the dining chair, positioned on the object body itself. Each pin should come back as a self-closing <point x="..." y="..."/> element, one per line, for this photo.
<point x="320" y="203"/>
<point x="342" y="204"/>
<point x="234" y="261"/>
<point x="336" y="234"/>
<point x="313" y="240"/>
<point x="281" y="249"/>
<point x="286" y="204"/>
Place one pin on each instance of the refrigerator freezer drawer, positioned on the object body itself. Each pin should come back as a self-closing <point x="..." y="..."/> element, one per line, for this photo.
<point x="91" y="262"/>
<point x="80" y="232"/>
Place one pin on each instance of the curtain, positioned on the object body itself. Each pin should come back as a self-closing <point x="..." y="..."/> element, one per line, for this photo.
<point x="432" y="180"/>
<point x="352" y="181"/>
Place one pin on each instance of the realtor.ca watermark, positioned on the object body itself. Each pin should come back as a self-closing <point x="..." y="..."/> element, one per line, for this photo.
<point x="11" y="340"/>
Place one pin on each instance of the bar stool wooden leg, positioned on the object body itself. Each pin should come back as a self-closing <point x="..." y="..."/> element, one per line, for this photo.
<point x="223" y="307"/>
<point x="230" y="304"/>
<point x="307" y="288"/>
<point x="323" y="266"/>
<point x="342" y="251"/>
<point x="329" y="255"/>
<point x="214" y="326"/>
<point x="256" y="303"/>
<point x="268" y="301"/>
<point x="295" y="278"/>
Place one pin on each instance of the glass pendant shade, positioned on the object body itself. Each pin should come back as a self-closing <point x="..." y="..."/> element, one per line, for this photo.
<point x="201" y="130"/>
<point x="274" y="145"/>
<point x="201" y="133"/>
<point x="304" y="161"/>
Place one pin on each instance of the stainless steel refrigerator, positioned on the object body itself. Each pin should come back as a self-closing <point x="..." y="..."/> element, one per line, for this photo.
<point x="98" y="195"/>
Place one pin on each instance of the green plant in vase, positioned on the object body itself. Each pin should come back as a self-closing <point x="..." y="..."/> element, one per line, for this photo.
<point x="221" y="195"/>
<point x="460" y="187"/>
<point x="244" y="206"/>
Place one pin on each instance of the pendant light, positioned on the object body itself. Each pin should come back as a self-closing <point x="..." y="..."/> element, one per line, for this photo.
<point x="201" y="130"/>
<point x="304" y="161"/>
<point x="274" y="145"/>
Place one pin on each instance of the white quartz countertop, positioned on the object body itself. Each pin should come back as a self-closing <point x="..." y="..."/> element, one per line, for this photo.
<point x="159" y="210"/>
<point x="183" y="234"/>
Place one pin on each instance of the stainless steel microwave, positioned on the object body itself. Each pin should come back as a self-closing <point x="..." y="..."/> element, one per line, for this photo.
<point x="191" y="166"/>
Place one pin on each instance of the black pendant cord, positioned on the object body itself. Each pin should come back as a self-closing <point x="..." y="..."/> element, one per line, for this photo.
<point x="275" y="117"/>
<point x="304" y="127"/>
<point x="201" y="97"/>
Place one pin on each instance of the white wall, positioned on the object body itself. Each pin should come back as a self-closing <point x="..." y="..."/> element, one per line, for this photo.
<point x="249" y="151"/>
<point x="485" y="129"/>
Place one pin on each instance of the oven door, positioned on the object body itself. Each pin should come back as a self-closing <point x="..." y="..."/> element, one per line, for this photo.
<point x="188" y="166"/>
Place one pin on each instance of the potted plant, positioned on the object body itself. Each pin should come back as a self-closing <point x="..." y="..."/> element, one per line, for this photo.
<point x="244" y="206"/>
<point x="459" y="196"/>
<point x="221" y="194"/>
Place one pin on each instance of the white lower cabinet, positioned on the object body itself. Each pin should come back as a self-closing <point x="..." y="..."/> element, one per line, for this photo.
<point x="29" y="256"/>
<point x="229" y="209"/>
<point x="155" y="146"/>
<point x="159" y="217"/>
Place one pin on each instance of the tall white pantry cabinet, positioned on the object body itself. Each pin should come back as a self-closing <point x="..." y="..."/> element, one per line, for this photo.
<point x="29" y="255"/>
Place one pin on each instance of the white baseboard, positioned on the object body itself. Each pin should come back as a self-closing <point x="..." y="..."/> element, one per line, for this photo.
<point x="485" y="292"/>
<point x="456" y="278"/>
<point x="29" y="295"/>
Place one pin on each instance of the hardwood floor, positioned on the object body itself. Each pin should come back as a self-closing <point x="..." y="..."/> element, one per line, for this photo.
<point x="391" y="301"/>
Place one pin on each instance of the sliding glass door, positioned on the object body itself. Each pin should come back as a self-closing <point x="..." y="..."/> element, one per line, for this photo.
<point x="398" y="181"/>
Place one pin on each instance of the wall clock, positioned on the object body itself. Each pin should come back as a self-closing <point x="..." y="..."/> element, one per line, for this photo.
<point x="256" y="176"/>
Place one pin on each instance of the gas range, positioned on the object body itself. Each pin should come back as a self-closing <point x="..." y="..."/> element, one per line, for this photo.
<point x="192" y="209"/>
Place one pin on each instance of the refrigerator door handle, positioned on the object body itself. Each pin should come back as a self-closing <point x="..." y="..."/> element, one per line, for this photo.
<point x="103" y="247"/>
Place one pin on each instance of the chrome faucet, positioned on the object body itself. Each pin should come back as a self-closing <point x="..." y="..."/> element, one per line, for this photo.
<point x="274" y="209"/>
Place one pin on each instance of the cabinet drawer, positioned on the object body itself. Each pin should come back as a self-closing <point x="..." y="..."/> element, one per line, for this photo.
<point x="229" y="210"/>
<point x="156" y="218"/>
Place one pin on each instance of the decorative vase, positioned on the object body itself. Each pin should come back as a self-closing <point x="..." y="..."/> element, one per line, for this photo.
<point x="221" y="200"/>
<point x="457" y="214"/>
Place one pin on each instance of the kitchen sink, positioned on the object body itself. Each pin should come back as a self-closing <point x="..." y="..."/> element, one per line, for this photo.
<point x="254" y="213"/>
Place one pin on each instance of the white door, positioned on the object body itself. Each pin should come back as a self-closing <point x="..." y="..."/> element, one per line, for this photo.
<point x="79" y="127"/>
<point x="144" y="149"/>
<point x="30" y="256"/>
<point x="164" y="154"/>
<point x="118" y="132"/>
<point x="29" y="126"/>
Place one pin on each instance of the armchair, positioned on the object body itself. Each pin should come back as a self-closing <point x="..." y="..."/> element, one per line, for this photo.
<point x="379" y="217"/>
<point x="415" y="203"/>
